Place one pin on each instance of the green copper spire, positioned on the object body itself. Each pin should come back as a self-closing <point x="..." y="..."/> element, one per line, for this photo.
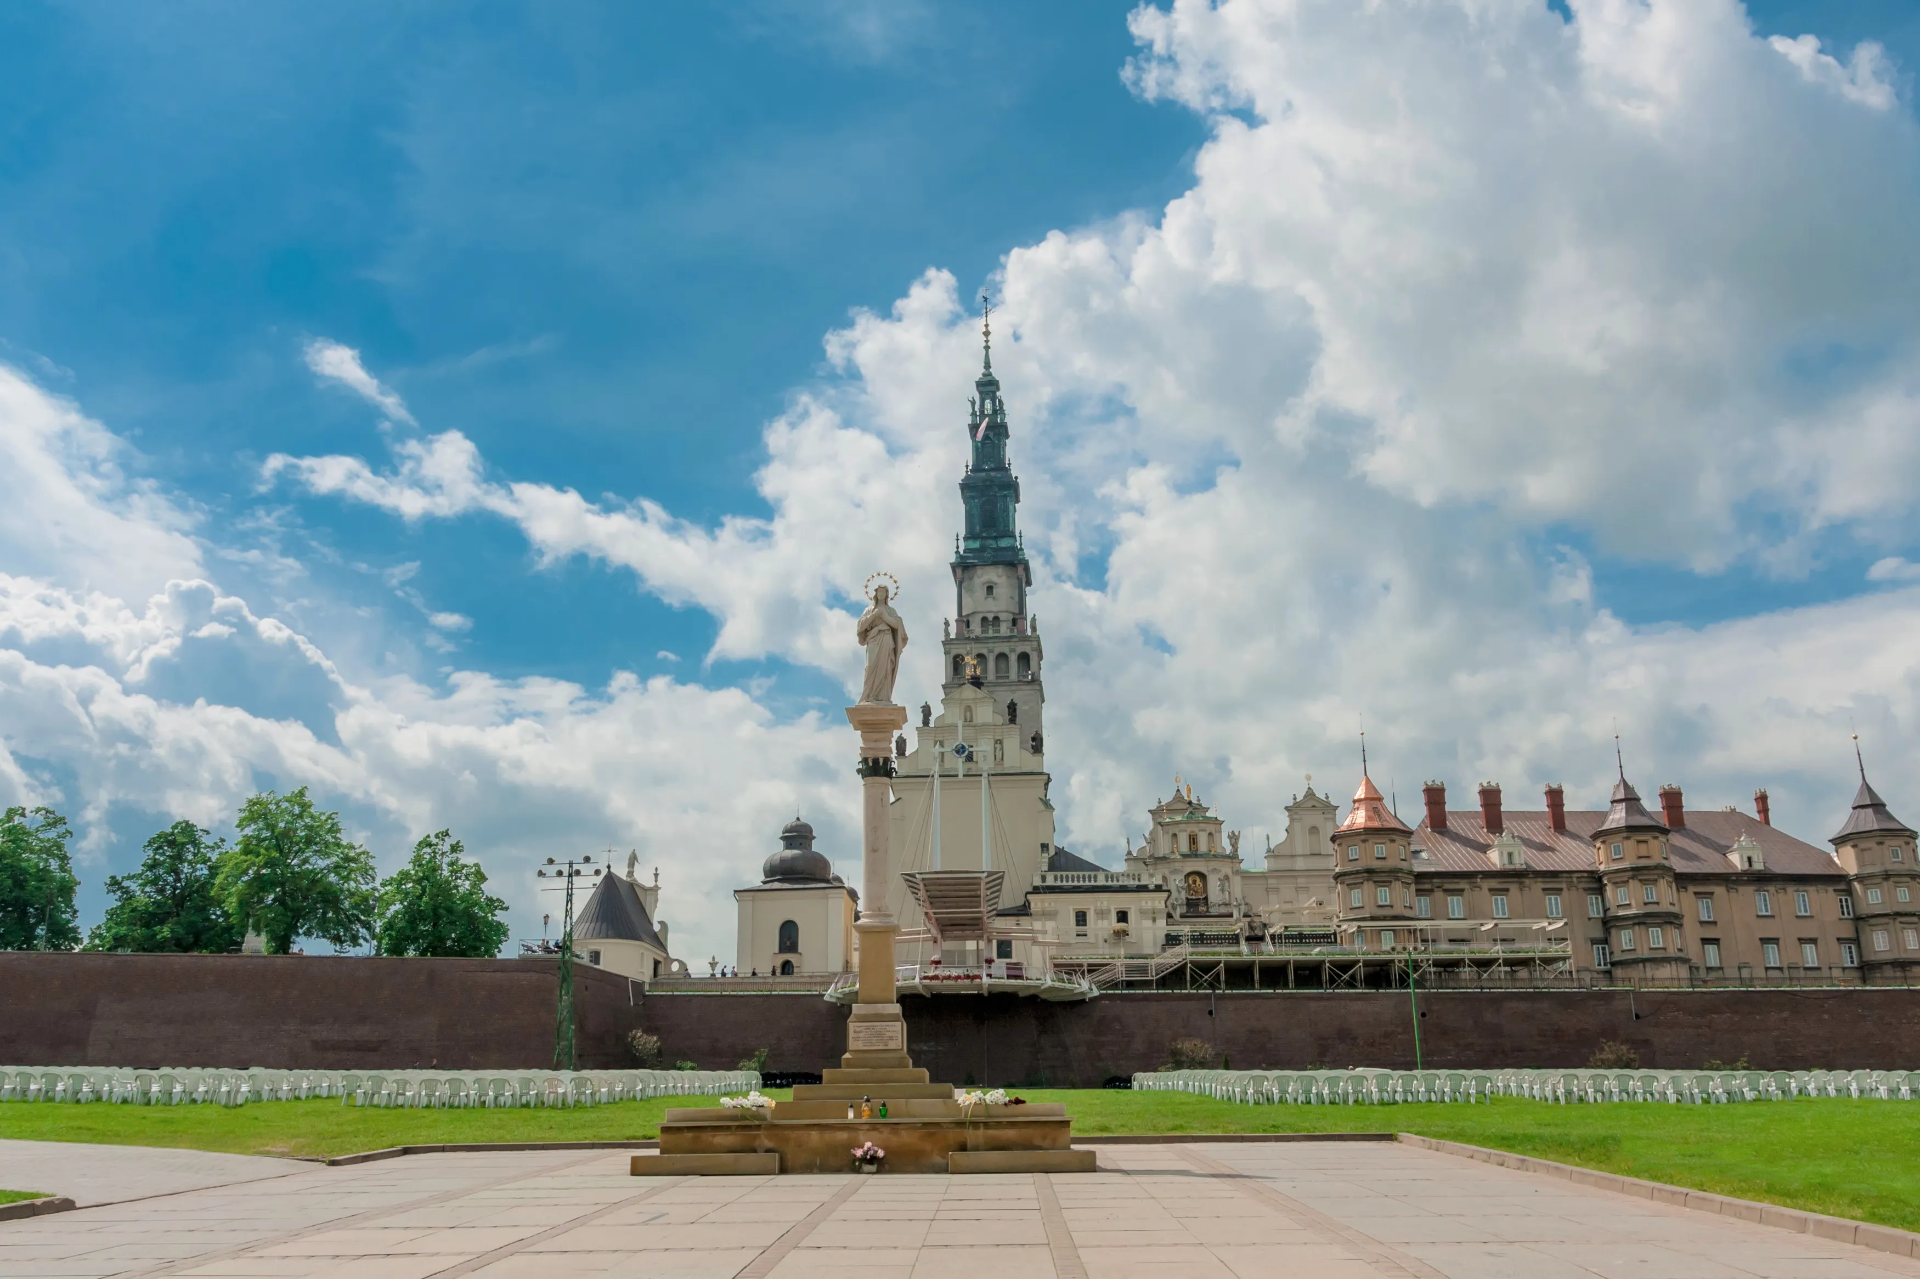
<point x="989" y="491"/>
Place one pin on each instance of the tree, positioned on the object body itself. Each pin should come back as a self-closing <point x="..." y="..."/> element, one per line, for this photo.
<point x="293" y="874"/>
<point x="169" y="904"/>
<point x="36" y="882"/>
<point x="438" y="904"/>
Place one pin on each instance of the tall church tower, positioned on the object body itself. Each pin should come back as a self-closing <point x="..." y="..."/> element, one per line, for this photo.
<point x="989" y="718"/>
<point x="991" y="635"/>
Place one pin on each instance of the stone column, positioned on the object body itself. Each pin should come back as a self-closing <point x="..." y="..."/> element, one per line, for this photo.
<point x="876" y="1032"/>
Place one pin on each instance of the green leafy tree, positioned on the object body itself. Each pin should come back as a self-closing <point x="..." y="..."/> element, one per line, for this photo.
<point x="293" y="874"/>
<point x="36" y="882"/>
<point x="169" y="904"/>
<point x="438" y="904"/>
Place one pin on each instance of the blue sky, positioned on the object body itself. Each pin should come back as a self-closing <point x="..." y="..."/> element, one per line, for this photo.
<point x="605" y="244"/>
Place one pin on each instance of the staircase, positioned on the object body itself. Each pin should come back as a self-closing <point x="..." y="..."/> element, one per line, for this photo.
<point x="1128" y="971"/>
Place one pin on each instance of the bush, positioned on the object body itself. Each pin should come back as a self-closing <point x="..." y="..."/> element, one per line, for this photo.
<point x="1714" y="1063"/>
<point x="686" y="1065"/>
<point x="645" y="1049"/>
<point x="1613" y="1055"/>
<point x="756" y="1063"/>
<point x="1189" y="1054"/>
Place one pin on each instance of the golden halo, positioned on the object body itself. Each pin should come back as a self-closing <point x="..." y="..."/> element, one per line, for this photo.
<point x="892" y="584"/>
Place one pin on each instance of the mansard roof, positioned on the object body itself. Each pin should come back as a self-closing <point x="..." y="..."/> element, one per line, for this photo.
<point x="1869" y="817"/>
<point x="614" y="912"/>
<point x="1698" y="848"/>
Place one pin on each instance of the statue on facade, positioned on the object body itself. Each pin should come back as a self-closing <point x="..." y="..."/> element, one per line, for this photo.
<point x="1013" y="711"/>
<point x="926" y="715"/>
<point x="1233" y="841"/>
<point x="1033" y="743"/>
<point x="900" y="745"/>
<point x="882" y="633"/>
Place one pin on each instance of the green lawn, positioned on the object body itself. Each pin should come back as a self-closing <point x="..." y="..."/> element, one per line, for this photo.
<point x="15" y="1196"/>
<point x="1857" y="1159"/>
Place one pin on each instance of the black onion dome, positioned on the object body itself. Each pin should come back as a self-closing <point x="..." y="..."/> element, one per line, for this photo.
<point x="796" y="862"/>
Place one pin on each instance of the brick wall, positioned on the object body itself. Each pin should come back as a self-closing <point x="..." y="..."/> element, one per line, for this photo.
<point x="299" y="1010"/>
<point x="241" y="1010"/>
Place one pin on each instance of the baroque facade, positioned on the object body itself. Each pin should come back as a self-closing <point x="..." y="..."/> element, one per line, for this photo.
<point x="1618" y="894"/>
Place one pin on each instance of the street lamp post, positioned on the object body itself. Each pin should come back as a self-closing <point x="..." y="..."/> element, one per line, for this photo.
<point x="564" y="1057"/>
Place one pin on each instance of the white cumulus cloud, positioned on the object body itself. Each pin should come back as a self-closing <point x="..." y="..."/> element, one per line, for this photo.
<point x="339" y="363"/>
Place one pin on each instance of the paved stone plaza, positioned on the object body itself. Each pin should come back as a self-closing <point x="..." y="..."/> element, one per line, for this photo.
<point x="1224" y="1211"/>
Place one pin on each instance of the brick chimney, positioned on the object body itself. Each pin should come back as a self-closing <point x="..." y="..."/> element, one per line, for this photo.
<point x="1436" y="793"/>
<point x="1557" y="808"/>
<point x="1490" y="808"/>
<point x="1760" y="807"/>
<point x="1672" y="810"/>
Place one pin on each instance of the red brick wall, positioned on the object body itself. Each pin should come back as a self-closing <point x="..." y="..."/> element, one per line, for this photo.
<point x="299" y="1010"/>
<point x="241" y="1010"/>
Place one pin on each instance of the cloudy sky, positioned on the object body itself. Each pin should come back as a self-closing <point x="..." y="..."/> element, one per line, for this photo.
<point x="487" y="417"/>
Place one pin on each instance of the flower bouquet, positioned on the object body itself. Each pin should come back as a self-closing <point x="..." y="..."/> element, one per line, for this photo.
<point x="867" y="1157"/>
<point x="752" y="1101"/>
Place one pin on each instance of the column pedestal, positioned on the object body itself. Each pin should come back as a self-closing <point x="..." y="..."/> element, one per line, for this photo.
<point x="876" y="1032"/>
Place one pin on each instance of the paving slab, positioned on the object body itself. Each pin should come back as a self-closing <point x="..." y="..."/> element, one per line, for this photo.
<point x="1178" y="1210"/>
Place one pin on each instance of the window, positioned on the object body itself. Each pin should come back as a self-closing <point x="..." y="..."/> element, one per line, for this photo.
<point x="1902" y="894"/>
<point x="1353" y="852"/>
<point x="1770" y="951"/>
<point x="1596" y="906"/>
<point x="1626" y="941"/>
<point x="1650" y="893"/>
<point x="1499" y="905"/>
<point x="989" y="590"/>
<point x="1706" y="909"/>
<point x="1553" y="906"/>
<point x="1849" y="954"/>
<point x="1003" y="949"/>
<point x="1910" y="937"/>
<point x="1895" y="850"/>
<point x="1354" y="898"/>
<point x="1382" y="895"/>
<point x="1079" y="919"/>
<point x="1763" y="905"/>
<point x="1620" y="895"/>
<point x="1602" y="956"/>
<point x="1656" y="938"/>
<point x="1873" y="897"/>
<point x="1880" y="939"/>
<point x="789" y="938"/>
<point x="1710" y="953"/>
<point x="1386" y="938"/>
<point x="1023" y="666"/>
<point x="593" y="957"/>
<point x="1119" y="916"/>
<point x="1846" y="906"/>
<point x="1456" y="907"/>
<point x="1423" y="907"/>
<point x="1618" y="852"/>
<point x="1802" y="904"/>
<point x="1379" y="852"/>
<point x="1809" y="954"/>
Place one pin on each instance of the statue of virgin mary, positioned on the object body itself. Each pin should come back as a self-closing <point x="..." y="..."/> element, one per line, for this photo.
<point x="883" y="635"/>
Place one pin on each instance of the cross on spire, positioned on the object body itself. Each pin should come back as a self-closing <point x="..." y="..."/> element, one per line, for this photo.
<point x="1858" y="759"/>
<point x="986" y="332"/>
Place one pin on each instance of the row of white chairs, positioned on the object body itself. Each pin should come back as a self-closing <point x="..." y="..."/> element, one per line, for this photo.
<point x="189" y="1085"/>
<point x="1389" y="1087"/>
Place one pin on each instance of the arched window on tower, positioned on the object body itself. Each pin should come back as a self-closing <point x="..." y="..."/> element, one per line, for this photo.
<point x="1023" y="665"/>
<point x="789" y="938"/>
<point x="1000" y="666"/>
<point x="959" y="668"/>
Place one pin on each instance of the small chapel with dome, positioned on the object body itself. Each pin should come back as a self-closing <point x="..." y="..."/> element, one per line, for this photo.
<point x="798" y="920"/>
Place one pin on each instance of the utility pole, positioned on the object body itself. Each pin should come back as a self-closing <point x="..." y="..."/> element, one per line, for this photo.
<point x="564" y="1056"/>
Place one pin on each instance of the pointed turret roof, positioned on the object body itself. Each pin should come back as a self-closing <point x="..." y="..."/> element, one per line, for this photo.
<point x="1869" y="815"/>
<point x="615" y="912"/>
<point x="1370" y="811"/>
<point x="1626" y="812"/>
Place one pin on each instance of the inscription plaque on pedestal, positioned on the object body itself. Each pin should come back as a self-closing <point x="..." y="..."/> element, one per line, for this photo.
<point x="876" y="1036"/>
